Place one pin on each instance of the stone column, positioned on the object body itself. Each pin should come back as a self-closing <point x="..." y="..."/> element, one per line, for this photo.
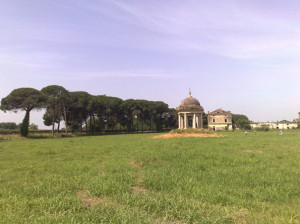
<point x="179" y="120"/>
<point x="194" y="120"/>
<point x="185" y="121"/>
<point x="197" y="121"/>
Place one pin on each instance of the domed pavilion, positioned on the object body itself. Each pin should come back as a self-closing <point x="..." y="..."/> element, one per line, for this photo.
<point x="190" y="113"/>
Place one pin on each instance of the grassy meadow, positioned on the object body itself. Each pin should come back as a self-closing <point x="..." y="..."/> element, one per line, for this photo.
<point x="137" y="179"/>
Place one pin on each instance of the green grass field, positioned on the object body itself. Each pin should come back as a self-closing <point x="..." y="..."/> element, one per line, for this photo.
<point x="137" y="179"/>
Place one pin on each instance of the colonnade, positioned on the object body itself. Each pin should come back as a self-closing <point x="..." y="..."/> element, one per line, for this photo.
<point x="197" y="120"/>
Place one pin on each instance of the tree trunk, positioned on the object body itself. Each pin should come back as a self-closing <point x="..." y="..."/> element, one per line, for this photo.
<point x="91" y="129"/>
<point x="94" y="123"/>
<point x="86" y="125"/>
<point x="100" y="125"/>
<point x="52" y="127"/>
<point x="65" y="117"/>
<point x="53" y="121"/>
<point x="25" y="125"/>
<point x="58" y="124"/>
<point x="132" y="124"/>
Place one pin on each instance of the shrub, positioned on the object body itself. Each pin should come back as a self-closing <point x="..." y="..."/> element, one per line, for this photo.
<point x="247" y="127"/>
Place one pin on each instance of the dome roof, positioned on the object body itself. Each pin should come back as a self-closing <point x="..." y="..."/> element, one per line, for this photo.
<point x="190" y="103"/>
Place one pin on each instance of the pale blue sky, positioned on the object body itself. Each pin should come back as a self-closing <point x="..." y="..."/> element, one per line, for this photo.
<point x="242" y="56"/>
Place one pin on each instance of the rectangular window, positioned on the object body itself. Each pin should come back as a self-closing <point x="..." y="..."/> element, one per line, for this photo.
<point x="225" y="120"/>
<point x="213" y="120"/>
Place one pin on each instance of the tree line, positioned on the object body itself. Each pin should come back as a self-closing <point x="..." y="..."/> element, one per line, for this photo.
<point x="14" y="126"/>
<point x="9" y="125"/>
<point x="80" y="111"/>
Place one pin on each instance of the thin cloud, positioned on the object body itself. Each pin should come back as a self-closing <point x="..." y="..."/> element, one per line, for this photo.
<point x="121" y="74"/>
<point x="31" y="59"/>
<point x="229" y="30"/>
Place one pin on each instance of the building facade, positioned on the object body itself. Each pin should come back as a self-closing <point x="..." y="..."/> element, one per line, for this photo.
<point x="297" y="119"/>
<point x="190" y="113"/>
<point x="219" y="120"/>
<point x="274" y="125"/>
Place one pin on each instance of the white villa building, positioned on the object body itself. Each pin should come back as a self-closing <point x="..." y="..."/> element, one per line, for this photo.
<point x="274" y="125"/>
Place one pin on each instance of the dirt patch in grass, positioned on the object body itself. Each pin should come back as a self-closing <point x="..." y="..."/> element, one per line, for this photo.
<point x="240" y="216"/>
<point x="184" y="135"/>
<point x="139" y="190"/>
<point x="89" y="201"/>
<point x="135" y="163"/>
<point x="253" y="151"/>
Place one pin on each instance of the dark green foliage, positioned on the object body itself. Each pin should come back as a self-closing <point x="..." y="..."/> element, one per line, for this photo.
<point x="205" y="121"/>
<point x="33" y="127"/>
<point x="241" y="121"/>
<point x="25" y="99"/>
<point x="236" y="117"/>
<point x="147" y="115"/>
<point x="55" y="104"/>
<point x="25" y="125"/>
<point x="171" y="119"/>
<point x="8" y="125"/>
<point x="81" y="110"/>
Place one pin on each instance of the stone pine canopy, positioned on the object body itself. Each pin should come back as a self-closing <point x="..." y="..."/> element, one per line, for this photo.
<point x="190" y="103"/>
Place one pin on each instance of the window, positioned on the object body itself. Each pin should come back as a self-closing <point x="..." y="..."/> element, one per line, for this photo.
<point x="225" y="120"/>
<point x="214" y="120"/>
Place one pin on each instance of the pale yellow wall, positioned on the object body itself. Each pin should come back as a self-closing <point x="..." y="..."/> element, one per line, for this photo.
<point x="219" y="119"/>
<point x="220" y="127"/>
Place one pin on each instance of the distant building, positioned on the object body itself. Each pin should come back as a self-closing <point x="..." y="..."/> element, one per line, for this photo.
<point x="274" y="125"/>
<point x="297" y="119"/>
<point x="190" y="113"/>
<point x="219" y="120"/>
